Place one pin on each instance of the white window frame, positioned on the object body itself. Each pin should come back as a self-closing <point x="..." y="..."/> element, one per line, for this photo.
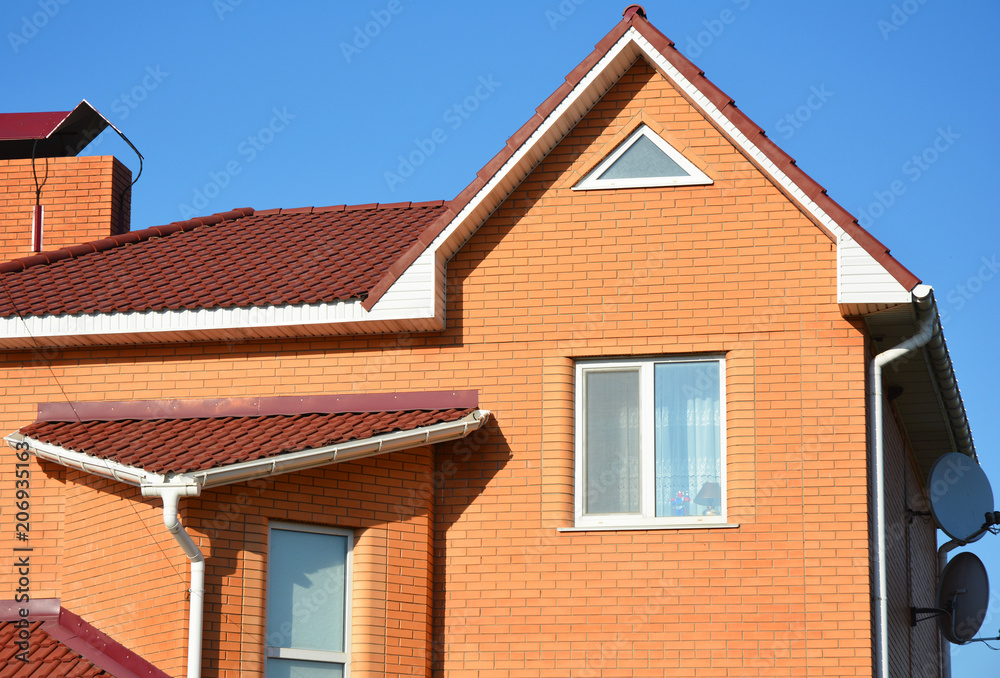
<point x="647" y="517"/>
<point x="695" y="177"/>
<point x="319" y="656"/>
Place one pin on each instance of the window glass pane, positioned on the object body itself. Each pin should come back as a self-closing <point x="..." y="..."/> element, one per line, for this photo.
<point x="612" y="441"/>
<point x="306" y="585"/>
<point x="293" y="668"/>
<point x="643" y="159"/>
<point x="688" y="439"/>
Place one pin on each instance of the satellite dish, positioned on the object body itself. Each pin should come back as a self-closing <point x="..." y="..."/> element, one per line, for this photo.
<point x="960" y="496"/>
<point x="964" y="594"/>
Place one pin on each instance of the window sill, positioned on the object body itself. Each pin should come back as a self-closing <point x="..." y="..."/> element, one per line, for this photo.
<point x="606" y="528"/>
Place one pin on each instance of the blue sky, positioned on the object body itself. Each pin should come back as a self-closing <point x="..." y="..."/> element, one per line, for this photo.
<point x="890" y="105"/>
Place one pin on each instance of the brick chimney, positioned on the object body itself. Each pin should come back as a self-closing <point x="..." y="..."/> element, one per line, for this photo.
<point x="81" y="198"/>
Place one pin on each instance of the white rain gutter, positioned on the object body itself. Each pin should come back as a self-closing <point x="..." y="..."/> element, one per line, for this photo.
<point x="171" y="492"/>
<point x="105" y="468"/>
<point x="354" y="449"/>
<point x="924" y="334"/>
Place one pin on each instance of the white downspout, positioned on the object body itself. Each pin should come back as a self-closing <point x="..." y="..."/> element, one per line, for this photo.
<point x="171" y="494"/>
<point x="923" y="335"/>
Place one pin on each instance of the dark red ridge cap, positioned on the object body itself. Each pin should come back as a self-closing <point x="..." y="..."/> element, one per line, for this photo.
<point x="348" y="208"/>
<point x="635" y="17"/>
<point x="257" y="407"/>
<point x="90" y="643"/>
<point x="114" y="241"/>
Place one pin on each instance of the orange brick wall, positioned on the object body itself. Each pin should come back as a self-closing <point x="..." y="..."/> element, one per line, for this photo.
<point x="553" y="276"/>
<point x="81" y="198"/>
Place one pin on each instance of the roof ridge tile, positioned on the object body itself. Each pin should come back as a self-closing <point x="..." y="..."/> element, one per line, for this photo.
<point x="111" y="242"/>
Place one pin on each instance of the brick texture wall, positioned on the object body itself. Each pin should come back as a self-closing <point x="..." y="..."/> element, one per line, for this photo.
<point x="81" y="198"/>
<point x="553" y="276"/>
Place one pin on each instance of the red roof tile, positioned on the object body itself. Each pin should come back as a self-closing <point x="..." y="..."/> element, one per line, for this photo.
<point x="61" y="644"/>
<point x="191" y="444"/>
<point x="238" y="258"/>
<point x="47" y="657"/>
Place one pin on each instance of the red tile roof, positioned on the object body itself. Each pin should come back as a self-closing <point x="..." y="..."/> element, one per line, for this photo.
<point x="189" y="445"/>
<point x="62" y="645"/>
<point x="237" y="258"/>
<point x="47" y="657"/>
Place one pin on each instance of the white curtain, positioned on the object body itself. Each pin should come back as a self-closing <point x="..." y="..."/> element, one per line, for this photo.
<point x="687" y="435"/>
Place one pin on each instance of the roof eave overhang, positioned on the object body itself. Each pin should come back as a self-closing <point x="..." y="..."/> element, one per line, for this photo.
<point x="261" y="468"/>
<point x="232" y="325"/>
<point x="929" y="404"/>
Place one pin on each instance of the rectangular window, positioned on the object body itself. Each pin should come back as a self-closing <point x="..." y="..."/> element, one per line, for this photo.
<point x="308" y="601"/>
<point x="650" y="442"/>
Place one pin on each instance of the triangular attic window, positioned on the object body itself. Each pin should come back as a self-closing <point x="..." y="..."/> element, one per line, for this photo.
<point x="643" y="160"/>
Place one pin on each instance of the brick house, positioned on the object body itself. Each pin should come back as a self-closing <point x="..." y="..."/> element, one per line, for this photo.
<point x="615" y="409"/>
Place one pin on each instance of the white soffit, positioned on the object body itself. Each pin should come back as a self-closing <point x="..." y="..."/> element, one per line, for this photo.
<point x="407" y="306"/>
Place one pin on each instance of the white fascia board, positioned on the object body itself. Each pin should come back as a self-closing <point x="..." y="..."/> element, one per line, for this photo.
<point x="411" y="299"/>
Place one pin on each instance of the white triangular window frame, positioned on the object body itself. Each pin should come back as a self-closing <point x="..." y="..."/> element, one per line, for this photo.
<point x="694" y="176"/>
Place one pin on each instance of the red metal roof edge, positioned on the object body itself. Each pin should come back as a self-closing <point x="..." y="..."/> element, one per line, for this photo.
<point x="759" y="138"/>
<point x="39" y="609"/>
<point x="99" y="649"/>
<point x="257" y="407"/>
<point x="635" y="16"/>
<point x="86" y="640"/>
<point x="40" y="124"/>
<point x="73" y="251"/>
